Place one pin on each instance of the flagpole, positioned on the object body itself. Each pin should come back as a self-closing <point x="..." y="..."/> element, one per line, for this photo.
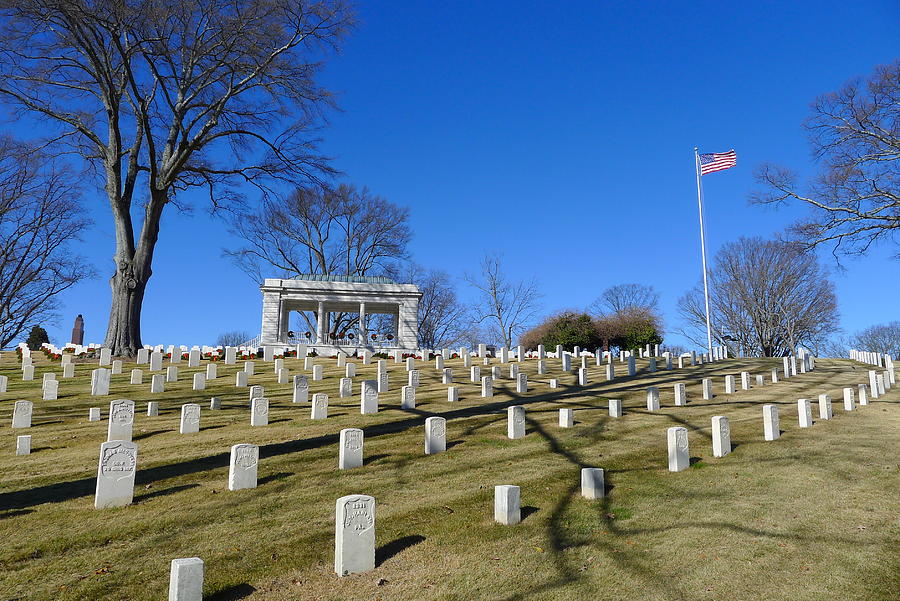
<point x="703" y="251"/>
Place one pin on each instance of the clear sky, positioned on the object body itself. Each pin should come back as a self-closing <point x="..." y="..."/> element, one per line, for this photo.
<point x="560" y="133"/>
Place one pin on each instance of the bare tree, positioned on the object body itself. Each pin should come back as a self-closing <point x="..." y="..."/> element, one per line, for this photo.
<point x="318" y="230"/>
<point x="40" y="216"/>
<point x="855" y="136"/>
<point x="766" y="298"/>
<point x="443" y="319"/>
<point x="882" y="338"/>
<point x="504" y="306"/>
<point x="625" y="296"/>
<point x="164" y="96"/>
<point x="233" y="338"/>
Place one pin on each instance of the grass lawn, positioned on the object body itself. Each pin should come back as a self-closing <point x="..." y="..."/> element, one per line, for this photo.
<point x="810" y="516"/>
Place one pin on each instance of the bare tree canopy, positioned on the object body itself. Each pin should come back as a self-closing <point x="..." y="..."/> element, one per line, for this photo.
<point x="233" y="338"/>
<point x="163" y="96"/>
<point x="39" y="216"/>
<point x="504" y="307"/>
<point x="443" y="319"/>
<point x="766" y="298"/>
<point x="882" y="338"/>
<point x="855" y="199"/>
<point x="625" y="296"/>
<point x="317" y="230"/>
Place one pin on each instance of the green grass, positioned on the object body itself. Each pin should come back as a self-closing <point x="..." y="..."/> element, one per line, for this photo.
<point x="810" y="516"/>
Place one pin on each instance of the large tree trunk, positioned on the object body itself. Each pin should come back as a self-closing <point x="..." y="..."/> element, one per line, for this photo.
<point x="123" y="334"/>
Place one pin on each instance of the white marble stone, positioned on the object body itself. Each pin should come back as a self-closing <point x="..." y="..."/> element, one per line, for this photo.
<point x="105" y="357"/>
<point x="453" y="394"/>
<point x="653" y="398"/>
<point x="413" y="378"/>
<point x="554" y="383"/>
<point x="190" y="418"/>
<point x="186" y="579"/>
<point x="475" y="373"/>
<point x="771" y="429"/>
<point x="615" y="407"/>
<point x="212" y="371"/>
<point x="825" y="406"/>
<point x="50" y="390"/>
<point x="497" y="372"/>
<point x="515" y="422"/>
<point x="804" y="413"/>
<point x="345" y="390"/>
<point x="631" y="367"/>
<point x="435" y="435"/>
<point x="354" y="535"/>
<point x="240" y="379"/>
<point x="582" y="376"/>
<point x="680" y="395"/>
<point x="566" y="418"/>
<point x="117" y="367"/>
<point x="707" y="386"/>
<point x="729" y="384"/>
<point x="171" y="374"/>
<point x="300" y="390"/>
<point x="408" y="397"/>
<point x="447" y="376"/>
<point x="849" y="401"/>
<point x="94" y="414"/>
<point x="592" y="483"/>
<point x="199" y="382"/>
<point x="152" y="409"/>
<point x="610" y="371"/>
<point x="283" y="376"/>
<point x="319" y="406"/>
<point x="651" y="364"/>
<point x="22" y="412"/>
<point x="121" y="420"/>
<point x="100" y="382"/>
<point x="137" y="376"/>
<point x="679" y="453"/>
<point x="350" y="370"/>
<point x="115" y="474"/>
<point x="259" y="411"/>
<point x="317" y="372"/>
<point x="507" y="504"/>
<point x="308" y="363"/>
<point x="23" y="444"/>
<point x="541" y="367"/>
<point x="256" y="392"/>
<point x="215" y="403"/>
<point x="230" y="355"/>
<point x="745" y="380"/>
<point x="522" y="384"/>
<point x="721" y="436"/>
<point x="487" y="387"/>
<point x="143" y="356"/>
<point x="350" y="454"/>
<point x="369" y="390"/>
<point x="156" y="361"/>
<point x="68" y="370"/>
<point x="863" y="390"/>
<point x="383" y="383"/>
<point x="760" y="381"/>
<point x="249" y="368"/>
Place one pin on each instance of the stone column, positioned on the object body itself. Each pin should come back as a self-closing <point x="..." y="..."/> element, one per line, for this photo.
<point x="271" y="319"/>
<point x="320" y="324"/>
<point x="408" y="324"/>
<point x="362" y="324"/>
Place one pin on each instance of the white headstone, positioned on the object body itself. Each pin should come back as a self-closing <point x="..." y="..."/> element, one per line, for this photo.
<point x="350" y="370"/>
<point x="615" y="408"/>
<point x="745" y="380"/>
<point x="679" y="455"/>
<point x="369" y="390"/>
<point x="249" y="368"/>
<point x="653" y="398"/>
<point x="137" y="376"/>
<point x="804" y="413"/>
<point x="408" y="397"/>
<point x="143" y="356"/>
<point x="522" y="384"/>
<point x="475" y="373"/>
<point x="435" y="435"/>
<point x="515" y="422"/>
<point x="824" y="406"/>
<point x="212" y="371"/>
<point x="301" y="390"/>
<point x="199" y="381"/>
<point x="51" y="390"/>
<point x="94" y="414"/>
<point x="680" y="395"/>
<point x="23" y="444"/>
<point x="707" y="389"/>
<point x="171" y="374"/>
<point x="592" y="483"/>
<point x="117" y="367"/>
<point x="566" y="418"/>
<point x="729" y="385"/>
<point x="721" y="436"/>
<point x="582" y="376"/>
<point x="350" y="454"/>
<point x="317" y="372"/>
<point x="382" y="382"/>
<point x="259" y="412"/>
<point x="68" y="370"/>
<point x="190" y="418"/>
<point x="863" y="394"/>
<point x="447" y="376"/>
<point x="186" y="579"/>
<point x="453" y="394"/>
<point x="770" y="422"/>
<point x="631" y="367"/>
<point x="100" y="382"/>
<point x="230" y="355"/>
<point x="849" y="402"/>
<point x="487" y="387"/>
<point x="507" y="504"/>
<point x="319" y="406"/>
<point x="22" y="411"/>
<point x="105" y="357"/>
<point x="115" y="474"/>
<point x="354" y="535"/>
<point x="152" y="409"/>
<point x="121" y="420"/>
<point x="345" y="390"/>
<point x="156" y="361"/>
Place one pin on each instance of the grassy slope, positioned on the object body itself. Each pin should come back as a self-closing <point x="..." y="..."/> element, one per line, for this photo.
<point x="812" y="515"/>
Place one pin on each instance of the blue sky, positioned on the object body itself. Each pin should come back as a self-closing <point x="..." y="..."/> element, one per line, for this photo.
<point x="559" y="133"/>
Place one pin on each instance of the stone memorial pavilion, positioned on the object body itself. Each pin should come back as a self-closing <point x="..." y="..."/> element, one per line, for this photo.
<point x="324" y="295"/>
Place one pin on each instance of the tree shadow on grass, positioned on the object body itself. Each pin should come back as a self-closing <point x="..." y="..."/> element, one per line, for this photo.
<point x="527" y="510"/>
<point x="274" y="478"/>
<point x="232" y="593"/>
<point x="373" y="458"/>
<point x="164" y="492"/>
<point x="144" y="435"/>
<point x="15" y="513"/>
<point x="395" y="547"/>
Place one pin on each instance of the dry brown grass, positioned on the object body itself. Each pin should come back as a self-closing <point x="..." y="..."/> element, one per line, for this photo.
<point x="812" y="515"/>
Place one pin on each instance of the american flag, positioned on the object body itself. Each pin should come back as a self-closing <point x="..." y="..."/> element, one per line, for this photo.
<point x="717" y="161"/>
